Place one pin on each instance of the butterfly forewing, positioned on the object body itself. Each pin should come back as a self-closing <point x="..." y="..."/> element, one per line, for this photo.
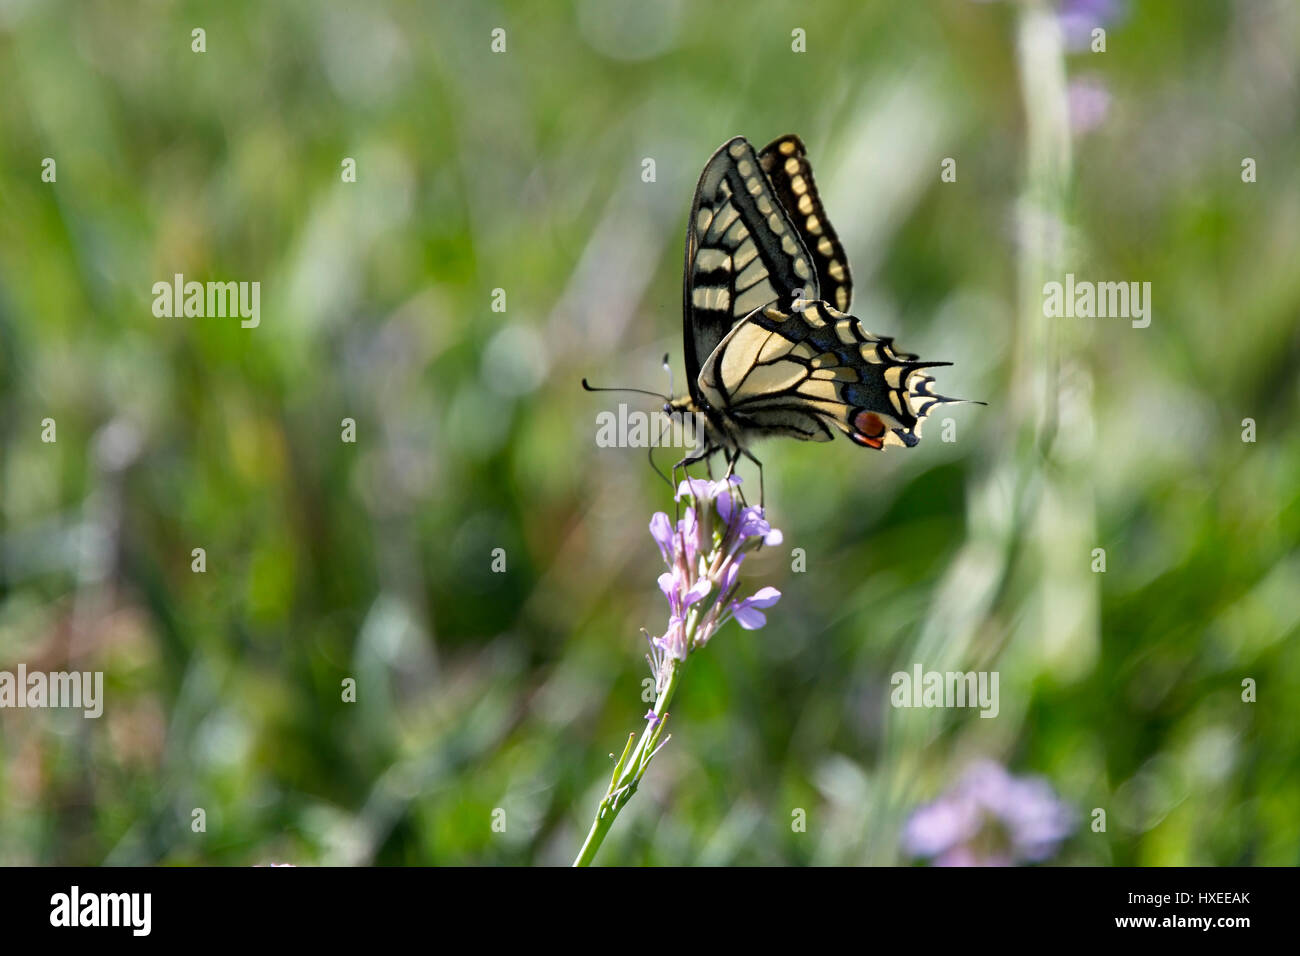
<point x="743" y="252"/>
<point x="804" y="370"/>
<point x="786" y="164"/>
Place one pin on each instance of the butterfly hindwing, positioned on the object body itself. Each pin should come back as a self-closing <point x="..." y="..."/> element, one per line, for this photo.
<point x="807" y="369"/>
<point x="785" y="162"/>
<point x="743" y="252"/>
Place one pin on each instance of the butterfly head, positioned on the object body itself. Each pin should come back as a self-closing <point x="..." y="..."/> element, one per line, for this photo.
<point x="680" y="406"/>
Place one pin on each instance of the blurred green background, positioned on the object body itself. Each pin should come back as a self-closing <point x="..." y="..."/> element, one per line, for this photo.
<point x="522" y="171"/>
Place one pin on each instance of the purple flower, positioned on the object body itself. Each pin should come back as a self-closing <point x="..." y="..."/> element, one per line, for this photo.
<point x="753" y="524"/>
<point x="725" y="503"/>
<point x="746" y="612"/>
<point x="1079" y="18"/>
<point x="690" y="532"/>
<point x="697" y="488"/>
<point x="729" y="574"/>
<point x="1088" y="101"/>
<point x="990" y="818"/>
<point x="661" y="529"/>
<point x="704" y="554"/>
<point x="697" y="592"/>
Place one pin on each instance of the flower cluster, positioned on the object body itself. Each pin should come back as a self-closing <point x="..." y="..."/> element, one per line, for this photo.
<point x="704" y="553"/>
<point x="990" y="818"/>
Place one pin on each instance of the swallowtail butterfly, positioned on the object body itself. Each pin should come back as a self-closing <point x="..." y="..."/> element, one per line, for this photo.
<point x="770" y="346"/>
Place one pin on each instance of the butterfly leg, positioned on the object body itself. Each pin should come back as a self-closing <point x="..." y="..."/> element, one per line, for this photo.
<point x="762" y="496"/>
<point x="650" y="453"/>
<point x="685" y="463"/>
<point x="732" y="461"/>
<point x="677" y="501"/>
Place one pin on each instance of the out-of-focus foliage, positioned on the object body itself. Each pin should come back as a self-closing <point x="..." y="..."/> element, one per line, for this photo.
<point x="522" y="171"/>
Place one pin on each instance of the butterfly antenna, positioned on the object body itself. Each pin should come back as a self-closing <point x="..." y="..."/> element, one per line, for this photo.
<point x="640" y="391"/>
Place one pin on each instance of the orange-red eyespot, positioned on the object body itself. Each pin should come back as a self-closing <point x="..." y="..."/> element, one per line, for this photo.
<point x="869" y="424"/>
<point x="869" y="430"/>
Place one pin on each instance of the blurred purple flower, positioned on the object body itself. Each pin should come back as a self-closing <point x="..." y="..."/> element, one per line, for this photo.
<point x="1079" y="18"/>
<point x="704" y="554"/>
<point x="990" y="818"/>
<point x="1089" y="104"/>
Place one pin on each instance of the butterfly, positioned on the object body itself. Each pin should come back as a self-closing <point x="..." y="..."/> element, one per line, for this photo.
<point x="770" y="346"/>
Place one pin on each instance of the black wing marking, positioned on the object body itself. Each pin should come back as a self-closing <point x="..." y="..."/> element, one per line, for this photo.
<point x="786" y="164"/>
<point x="803" y="371"/>
<point x="743" y="252"/>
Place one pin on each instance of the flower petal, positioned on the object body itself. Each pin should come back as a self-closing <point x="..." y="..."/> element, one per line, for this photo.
<point x="661" y="529"/>
<point x="764" y="597"/>
<point x="730" y="571"/>
<point x="689" y="530"/>
<point x="698" y="488"/>
<point x="702" y="587"/>
<point x="751" y="619"/>
<point x="752" y="522"/>
<point x="724" y="486"/>
<point x="725" y="505"/>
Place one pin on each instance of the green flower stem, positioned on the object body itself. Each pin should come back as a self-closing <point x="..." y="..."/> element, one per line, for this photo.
<point x="629" y="769"/>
